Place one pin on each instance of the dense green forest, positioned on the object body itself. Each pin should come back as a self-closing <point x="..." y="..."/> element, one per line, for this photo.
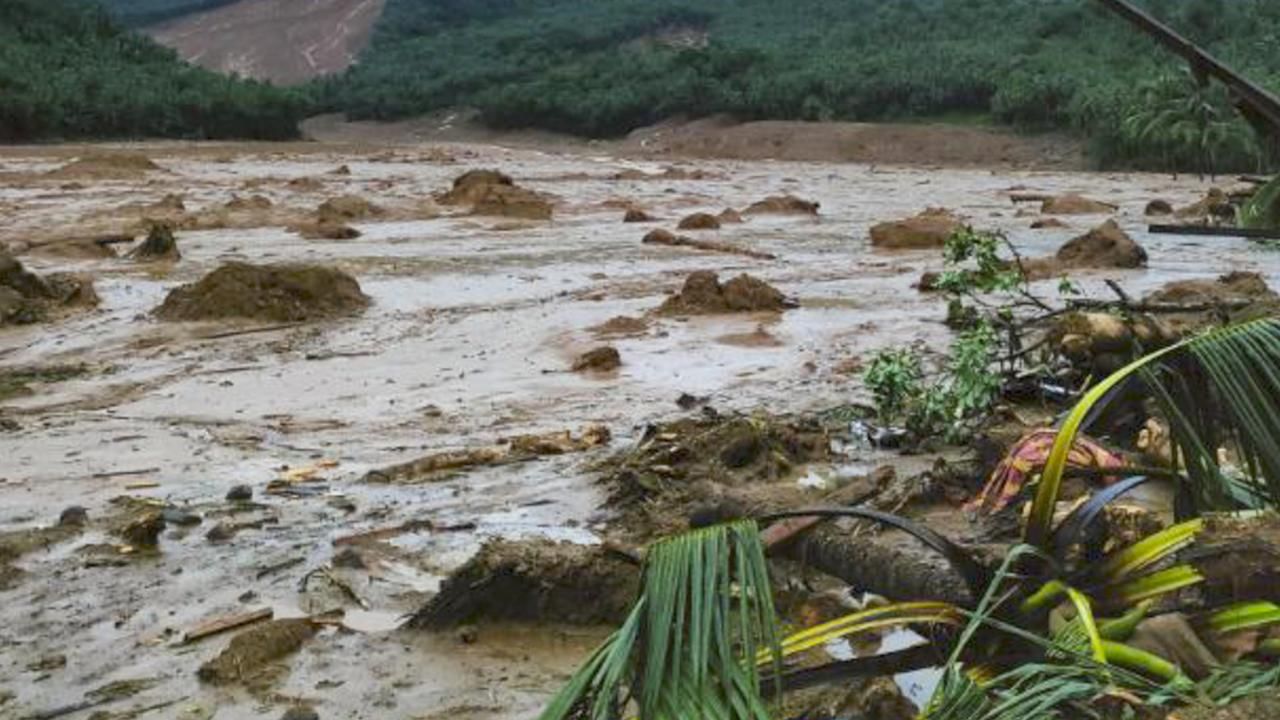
<point x="604" y="67"/>
<point x="67" y="70"/>
<point x="149" y="12"/>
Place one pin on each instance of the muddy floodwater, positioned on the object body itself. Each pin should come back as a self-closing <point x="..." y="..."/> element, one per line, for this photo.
<point x="473" y="326"/>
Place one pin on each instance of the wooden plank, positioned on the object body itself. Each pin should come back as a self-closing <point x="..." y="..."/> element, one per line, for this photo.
<point x="225" y="623"/>
<point x="1211" y="231"/>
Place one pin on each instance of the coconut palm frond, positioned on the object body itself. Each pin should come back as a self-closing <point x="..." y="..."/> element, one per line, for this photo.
<point x="1220" y="389"/>
<point x="705" y="612"/>
<point x="1263" y="209"/>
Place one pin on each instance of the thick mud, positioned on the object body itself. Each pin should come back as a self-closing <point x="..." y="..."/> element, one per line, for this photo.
<point x="472" y="325"/>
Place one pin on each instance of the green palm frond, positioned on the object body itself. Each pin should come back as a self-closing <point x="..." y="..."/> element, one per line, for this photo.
<point x="705" y="609"/>
<point x="1219" y="389"/>
<point x="1263" y="209"/>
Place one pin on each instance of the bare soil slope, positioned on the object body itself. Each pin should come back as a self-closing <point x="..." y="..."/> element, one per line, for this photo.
<point x="284" y="41"/>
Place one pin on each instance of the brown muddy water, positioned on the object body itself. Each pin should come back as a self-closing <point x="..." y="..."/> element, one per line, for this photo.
<point x="473" y="324"/>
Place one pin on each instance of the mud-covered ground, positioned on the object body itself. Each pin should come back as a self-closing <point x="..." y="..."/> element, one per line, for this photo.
<point x="473" y="326"/>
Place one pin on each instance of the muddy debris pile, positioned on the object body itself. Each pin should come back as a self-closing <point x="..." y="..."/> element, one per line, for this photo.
<point x="106" y="166"/>
<point x="251" y="657"/>
<point x="159" y="246"/>
<point x="439" y="466"/>
<point x="703" y="294"/>
<point x="782" y="205"/>
<point x="326" y="231"/>
<point x="278" y="293"/>
<point x="16" y="543"/>
<point x="929" y="229"/>
<point x="491" y="192"/>
<point x="729" y="216"/>
<point x="1157" y="208"/>
<point x="1073" y="204"/>
<point x="621" y="325"/>
<point x="636" y="215"/>
<point x="1106" y="246"/>
<point x="710" y="467"/>
<point x="602" y="359"/>
<point x="535" y="580"/>
<point x="1192" y="305"/>
<point x="1215" y="206"/>
<point x="699" y="221"/>
<point x="660" y="236"/>
<point x="27" y="298"/>
<point x="346" y="208"/>
<point x="1104" y="342"/>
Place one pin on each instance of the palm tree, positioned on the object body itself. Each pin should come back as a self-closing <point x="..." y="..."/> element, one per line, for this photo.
<point x="1191" y="122"/>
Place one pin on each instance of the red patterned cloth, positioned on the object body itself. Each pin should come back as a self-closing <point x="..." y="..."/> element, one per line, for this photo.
<point x="1027" y="458"/>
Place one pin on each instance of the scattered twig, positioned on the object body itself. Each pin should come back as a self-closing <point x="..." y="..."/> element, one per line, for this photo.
<point x="710" y="246"/>
<point x="123" y="473"/>
<point x="277" y="567"/>
<point x="225" y="623"/>
<point x="249" y="331"/>
<point x="1160" y="307"/>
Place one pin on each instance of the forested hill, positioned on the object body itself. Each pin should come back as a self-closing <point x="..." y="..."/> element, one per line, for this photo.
<point x="69" y="71"/>
<point x="603" y="67"/>
<point x="139" y="13"/>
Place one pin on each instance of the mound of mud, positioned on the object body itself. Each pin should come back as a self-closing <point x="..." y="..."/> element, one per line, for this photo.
<point x="782" y="205"/>
<point x="491" y="192"/>
<point x="345" y="208"/>
<point x="929" y="229"/>
<point x="106" y="166"/>
<point x="1107" y="342"/>
<point x="159" y="246"/>
<point x="1106" y="246"/>
<point x="327" y="230"/>
<point x="534" y="580"/>
<point x="703" y="294"/>
<point x="253" y="203"/>
<point x="82" y="248"/>
<point x="699" y="221"/>
<point x="1234" y="297"/>
<point x="1048" y="224"/>
<point x="709" y="468"/>
<point x="622" y="325"/>
<point x="636" y="215"/>
<point x="601" y="359"/>
<point x="1215" y="203"/>
<point x="1075" y="205"/>
<point x="27" y="298"/>
<point x="247" y="657"/>
<point x="729" y="216"/>
<point x="1157" y="207"/>
<point x="280" y="293"/>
